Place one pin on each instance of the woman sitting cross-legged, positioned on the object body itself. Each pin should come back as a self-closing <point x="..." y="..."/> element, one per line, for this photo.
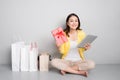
<point x="73" y="60"/>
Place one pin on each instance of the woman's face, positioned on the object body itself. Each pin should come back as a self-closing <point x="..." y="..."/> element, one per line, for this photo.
<point x="73" y="22"/>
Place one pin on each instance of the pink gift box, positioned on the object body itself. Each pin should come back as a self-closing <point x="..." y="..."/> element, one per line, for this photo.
<point x="59" y="36"/>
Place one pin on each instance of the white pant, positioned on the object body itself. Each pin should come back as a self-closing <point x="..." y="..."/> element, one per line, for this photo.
<point x="61" y="64"/>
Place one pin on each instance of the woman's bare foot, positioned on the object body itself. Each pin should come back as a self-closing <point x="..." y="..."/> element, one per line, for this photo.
<point x="62" y="72"/>
<point x="84" y="73"/>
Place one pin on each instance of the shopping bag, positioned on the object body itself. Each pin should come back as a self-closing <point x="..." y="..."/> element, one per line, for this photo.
<point x="59" y="36"/>
<point x="15" y="55"/>
<point x="33" y="57"/>
<point x="44" y="62"/>
<point x="25" y="58"/>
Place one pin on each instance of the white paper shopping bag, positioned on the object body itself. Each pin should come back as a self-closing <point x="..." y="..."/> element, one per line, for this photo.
<point x="33" y="57"/>
<point x="44" y="62"/>
<point x="25" y="58"/>
<point x="15" y="55"/>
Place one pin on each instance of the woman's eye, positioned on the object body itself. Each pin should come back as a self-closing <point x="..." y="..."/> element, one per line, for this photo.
<point x="76" y="21"/>
<point x="71" y="21"/>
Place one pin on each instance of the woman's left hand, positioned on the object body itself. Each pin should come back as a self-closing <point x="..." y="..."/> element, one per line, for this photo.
<point x="87" y="46"/>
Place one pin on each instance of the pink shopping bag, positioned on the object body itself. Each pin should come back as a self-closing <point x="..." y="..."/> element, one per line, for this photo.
<point x="33" y="57"/>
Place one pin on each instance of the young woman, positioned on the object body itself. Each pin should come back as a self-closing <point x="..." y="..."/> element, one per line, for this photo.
<point x="73" y="60"/>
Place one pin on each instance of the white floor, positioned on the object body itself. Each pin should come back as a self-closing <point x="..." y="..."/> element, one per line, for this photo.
<point x="101" y="72"/>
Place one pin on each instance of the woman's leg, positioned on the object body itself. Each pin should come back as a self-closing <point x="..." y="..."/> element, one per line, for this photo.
<point x="75" y="68"/>
<point x="86" y="65"/>
<point x="71" y="70"/>
<point x="64" y="66"/>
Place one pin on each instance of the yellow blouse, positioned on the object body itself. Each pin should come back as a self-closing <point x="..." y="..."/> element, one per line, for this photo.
<point x="64" y="48"/>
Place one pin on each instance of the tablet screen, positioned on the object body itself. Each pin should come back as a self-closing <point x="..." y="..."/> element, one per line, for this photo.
<point x="87" y="39"/>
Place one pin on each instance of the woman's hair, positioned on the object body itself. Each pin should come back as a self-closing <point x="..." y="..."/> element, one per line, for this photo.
<point x="67" y="29"/>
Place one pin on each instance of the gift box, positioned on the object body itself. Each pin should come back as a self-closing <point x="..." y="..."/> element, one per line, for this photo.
<point x="59" y="36"/>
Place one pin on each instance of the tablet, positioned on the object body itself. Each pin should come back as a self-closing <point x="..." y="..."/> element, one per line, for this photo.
<point x="87" y="39"/>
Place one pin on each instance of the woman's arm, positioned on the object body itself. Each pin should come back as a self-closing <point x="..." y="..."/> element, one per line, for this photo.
<point x="58" y="46"/>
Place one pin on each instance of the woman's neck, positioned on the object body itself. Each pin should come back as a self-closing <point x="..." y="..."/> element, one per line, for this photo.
<point x="73" y="34"/>
<point x="73" y="31"/>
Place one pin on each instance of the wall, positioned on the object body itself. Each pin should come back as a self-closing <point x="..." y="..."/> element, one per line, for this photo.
<point x="33" y="20"/>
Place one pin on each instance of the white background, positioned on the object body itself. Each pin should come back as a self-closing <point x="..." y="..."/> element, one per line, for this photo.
<point x="33" y="20"/>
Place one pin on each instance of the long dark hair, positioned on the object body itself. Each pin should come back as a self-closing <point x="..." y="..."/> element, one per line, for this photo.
<point x="67" y="29"/>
